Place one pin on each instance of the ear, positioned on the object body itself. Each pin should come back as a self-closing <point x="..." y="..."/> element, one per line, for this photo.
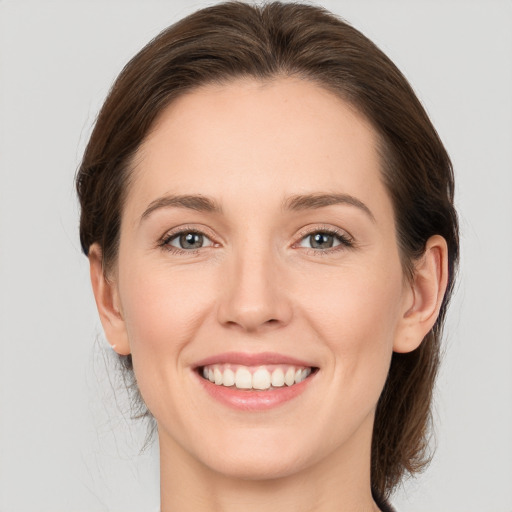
<point x="107" y="301"/>
<point x="423" y="295"/>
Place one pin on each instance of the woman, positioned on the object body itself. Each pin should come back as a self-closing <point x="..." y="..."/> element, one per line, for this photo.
<point x="268" y="215"/>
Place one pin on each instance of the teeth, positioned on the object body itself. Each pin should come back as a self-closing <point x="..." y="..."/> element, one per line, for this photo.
<point x="302" y="374"/>
<point x="243" y="379"/>
<point x="259" y="378"/>
<point x="289" y="378"/>
<point x="277" y="378"/>
<point x="228" y="378"/>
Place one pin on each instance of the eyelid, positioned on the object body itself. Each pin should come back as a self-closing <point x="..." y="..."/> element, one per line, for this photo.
<point x="346" y="239"/>
<point x="170" y="234"/>
<point x="177" y="237"/>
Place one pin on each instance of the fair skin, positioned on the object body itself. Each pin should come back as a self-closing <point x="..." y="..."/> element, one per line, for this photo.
<point x="293" y="255"/>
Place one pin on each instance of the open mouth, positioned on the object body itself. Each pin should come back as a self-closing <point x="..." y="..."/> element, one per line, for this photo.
<point x="255" y="378"/>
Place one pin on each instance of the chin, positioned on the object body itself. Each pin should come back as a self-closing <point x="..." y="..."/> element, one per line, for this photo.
<point x="259" y="466"/>
<point x="258" y="453"/>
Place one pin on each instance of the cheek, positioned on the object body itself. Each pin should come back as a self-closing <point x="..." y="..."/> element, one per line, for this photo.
<point x="163" y="308"/>
<point x="357" y="306"/>
<point x="357" y="317"/>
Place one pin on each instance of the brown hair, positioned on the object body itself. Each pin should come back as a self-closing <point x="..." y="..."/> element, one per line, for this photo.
<point x="232" y="40"/>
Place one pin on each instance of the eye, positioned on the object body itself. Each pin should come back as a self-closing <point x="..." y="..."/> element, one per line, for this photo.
<point x="188" y="240"/>
<point x="323" y="240"/>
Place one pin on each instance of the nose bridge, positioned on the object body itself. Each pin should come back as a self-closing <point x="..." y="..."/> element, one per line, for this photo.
<point x="255" y="296"/>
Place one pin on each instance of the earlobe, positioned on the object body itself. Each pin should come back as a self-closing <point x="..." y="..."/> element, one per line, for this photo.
<point x="108" y="304"/>
<point x="424" y="295"/>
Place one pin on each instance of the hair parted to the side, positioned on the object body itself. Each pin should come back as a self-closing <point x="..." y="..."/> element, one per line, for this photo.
<point x="233" y="40"/>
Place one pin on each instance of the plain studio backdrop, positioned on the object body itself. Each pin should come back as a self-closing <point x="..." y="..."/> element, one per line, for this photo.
<point x="64" y="444"/>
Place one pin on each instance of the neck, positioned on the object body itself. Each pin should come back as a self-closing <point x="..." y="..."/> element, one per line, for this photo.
<point x="339" y="482"/>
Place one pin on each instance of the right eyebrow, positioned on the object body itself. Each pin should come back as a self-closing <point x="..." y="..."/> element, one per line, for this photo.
<point x="191" y="202"/>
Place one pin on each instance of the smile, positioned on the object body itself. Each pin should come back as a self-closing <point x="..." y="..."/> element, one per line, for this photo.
<point x="259" y="378"/>
<point x="254" y="382"/>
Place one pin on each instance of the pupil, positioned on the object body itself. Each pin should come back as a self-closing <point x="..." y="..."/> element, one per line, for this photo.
<point x="321" y="241"/>
<point x="191" y="241"/>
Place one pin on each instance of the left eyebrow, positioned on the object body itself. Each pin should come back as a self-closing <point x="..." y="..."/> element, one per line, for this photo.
<point x="314" y="201"/>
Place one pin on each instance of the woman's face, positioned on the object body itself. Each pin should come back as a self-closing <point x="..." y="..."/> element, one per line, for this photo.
<point x="258" y="246"/>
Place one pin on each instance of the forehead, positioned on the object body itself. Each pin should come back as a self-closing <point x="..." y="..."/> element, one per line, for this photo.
<point x="281" y="137"/>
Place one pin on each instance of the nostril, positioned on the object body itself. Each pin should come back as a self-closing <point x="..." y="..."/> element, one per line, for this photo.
<point x="253" y="321"/>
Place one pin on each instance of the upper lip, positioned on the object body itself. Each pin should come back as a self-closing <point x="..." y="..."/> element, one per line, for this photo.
<point x="248" y="359"/>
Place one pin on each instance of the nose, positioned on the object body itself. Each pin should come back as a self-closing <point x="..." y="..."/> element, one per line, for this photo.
<point x="255" y="295"/>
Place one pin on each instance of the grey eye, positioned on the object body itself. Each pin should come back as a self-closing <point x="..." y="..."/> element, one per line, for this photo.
<point x="320" y="240"/>
<point x="189" y="240"/>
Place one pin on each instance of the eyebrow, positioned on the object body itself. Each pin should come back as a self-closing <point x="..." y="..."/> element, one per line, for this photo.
<point x="191" y="202"/>
<point x="294" y="203"/>
<point x="314" y="201"/>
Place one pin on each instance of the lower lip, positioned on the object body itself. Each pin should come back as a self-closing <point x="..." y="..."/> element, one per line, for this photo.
<point x="254" y="400"/>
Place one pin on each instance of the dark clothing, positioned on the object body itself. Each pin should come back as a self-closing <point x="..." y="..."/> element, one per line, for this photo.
<point x="382" y="503"/>
<point x="385" y="506"/>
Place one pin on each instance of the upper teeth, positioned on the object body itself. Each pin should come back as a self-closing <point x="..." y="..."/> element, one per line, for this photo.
<point x="260" y="377"/>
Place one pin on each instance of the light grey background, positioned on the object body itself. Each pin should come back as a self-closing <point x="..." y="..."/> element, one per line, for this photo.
<point x="64" y="446"/>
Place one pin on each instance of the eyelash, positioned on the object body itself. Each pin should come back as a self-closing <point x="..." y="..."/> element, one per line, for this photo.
<point x="168" y="237"/>
<point x="345" y="240"/>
